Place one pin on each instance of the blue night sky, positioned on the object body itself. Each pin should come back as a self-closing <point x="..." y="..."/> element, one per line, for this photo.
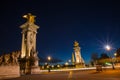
<point x="92" y="23"/>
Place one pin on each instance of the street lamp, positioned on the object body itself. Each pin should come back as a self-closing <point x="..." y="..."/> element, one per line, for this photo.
<point x="45" y="63"/>
<point x="115" y="54"/>
<point x="108" y="48"/>
<point x="66" y="63"/>
<point x="49" y="58"/>
<point x="58" y="66"/>
<point x="52" y="66"/>
<point x="69" y="61"/>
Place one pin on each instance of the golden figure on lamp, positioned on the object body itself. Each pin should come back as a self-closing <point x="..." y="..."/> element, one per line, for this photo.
<point x="30" y="17"/>
<point x="76" y="44"/>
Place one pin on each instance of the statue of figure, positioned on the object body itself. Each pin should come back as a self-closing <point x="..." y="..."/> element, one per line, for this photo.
<point x="76" y="44"/>
<point x="30" y="17"/>
<point x="12" y="55"/>
<point x="35" y="54"/>
<point x="35" y="57"/>
<point x="1" y="60"/>
<point x="6" y="59"/>
<point x="15" y="56"/>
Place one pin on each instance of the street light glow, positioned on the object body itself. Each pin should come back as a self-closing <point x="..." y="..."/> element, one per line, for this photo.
<point x="115" y="54"/>
<point x="52" y="66"/>
<point x="66" y="63"/>
<point x="69" y="60"/>
<point x="49" y="58"/>
<point x="108" y="47"/>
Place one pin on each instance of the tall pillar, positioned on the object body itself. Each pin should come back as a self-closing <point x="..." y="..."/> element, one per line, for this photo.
<point x="23" y="46"/>
<point x="29" y="56"/>
<point x="79" y="60"/>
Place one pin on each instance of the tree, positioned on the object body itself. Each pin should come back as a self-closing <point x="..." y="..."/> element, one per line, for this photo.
<point x="104" y="56"/>
<point x="94" y="58"/>
<point x="118" y="52"/>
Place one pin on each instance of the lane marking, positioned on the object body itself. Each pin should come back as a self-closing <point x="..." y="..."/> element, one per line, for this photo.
<point x="70" y="75"/>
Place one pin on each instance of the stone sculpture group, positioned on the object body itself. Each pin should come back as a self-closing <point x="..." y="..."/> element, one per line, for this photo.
<point x="10" y="58"/>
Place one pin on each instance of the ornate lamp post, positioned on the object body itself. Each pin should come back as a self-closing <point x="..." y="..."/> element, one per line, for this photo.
<point x="48" y="58"/>
<point x="108" y="48"/>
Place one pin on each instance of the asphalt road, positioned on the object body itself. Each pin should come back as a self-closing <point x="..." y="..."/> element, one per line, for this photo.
<point x="73" y="75"/>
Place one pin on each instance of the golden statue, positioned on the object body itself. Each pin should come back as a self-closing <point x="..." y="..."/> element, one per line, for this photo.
<point x="76" y="44"/>
<point x="30" y="17"/>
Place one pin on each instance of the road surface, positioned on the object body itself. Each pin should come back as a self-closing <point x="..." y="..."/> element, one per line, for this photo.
<point x="73" y="75"/>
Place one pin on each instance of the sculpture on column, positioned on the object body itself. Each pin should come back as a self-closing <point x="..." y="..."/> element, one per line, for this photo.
<point x="30" y="18"/>
<point x="10" y="58"/>
<point x="1" y="59"/>
<point x="15" y="56"/>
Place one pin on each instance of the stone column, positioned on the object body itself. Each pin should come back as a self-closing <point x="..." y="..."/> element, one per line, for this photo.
<point x="23" y="46"/>
<point x="35" y="41"/>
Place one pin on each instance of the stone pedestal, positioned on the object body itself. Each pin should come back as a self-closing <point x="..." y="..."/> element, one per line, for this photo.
<point x="80" y="65"/>
<point x="30" y="65"/>
<point x="35" y="70"/>
<point x="9" y="71"/>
